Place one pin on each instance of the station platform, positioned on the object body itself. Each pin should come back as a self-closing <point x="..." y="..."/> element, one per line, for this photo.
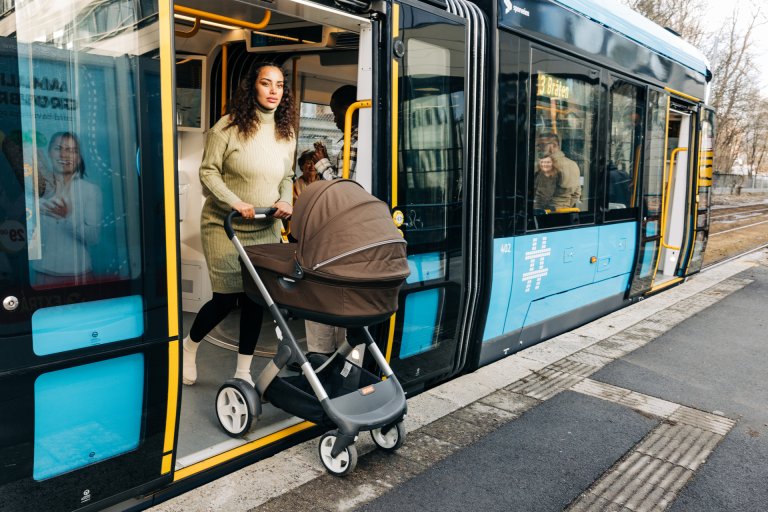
<point x="658" y="406"/>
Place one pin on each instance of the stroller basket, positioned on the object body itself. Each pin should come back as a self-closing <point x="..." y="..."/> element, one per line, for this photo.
<point x="342" y="381"/>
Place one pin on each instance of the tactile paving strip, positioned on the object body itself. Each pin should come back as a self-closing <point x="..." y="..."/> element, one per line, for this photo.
<point x="660" y="465"/>
<point x="544" y="384"/>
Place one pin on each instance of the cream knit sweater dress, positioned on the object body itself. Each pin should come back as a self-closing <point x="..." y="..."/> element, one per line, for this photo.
<point x="258" y="171"/>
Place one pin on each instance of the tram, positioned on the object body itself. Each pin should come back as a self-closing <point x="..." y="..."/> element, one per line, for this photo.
<point x="466" y="100"/>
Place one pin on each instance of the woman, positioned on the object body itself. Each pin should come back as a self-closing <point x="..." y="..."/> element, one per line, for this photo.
<point x="545" y="183"/>
<point x="70" y="217"/>
<point x="247" y="163"/>
<point x="308" y="174"/>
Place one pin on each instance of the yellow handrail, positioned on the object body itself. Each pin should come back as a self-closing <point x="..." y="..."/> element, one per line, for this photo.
<point x="635" y="176"/>
<point x="348" y="133"/>
<point x="224" y="62"/>
<point x="564" y="209"/>
<point x="191" y="32"/>
<point x="209" y="16"/>
<point x="666" y="198"/>
<point x="682" y="95"/>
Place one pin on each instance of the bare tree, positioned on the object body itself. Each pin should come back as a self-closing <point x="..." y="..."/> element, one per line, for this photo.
<point x="755" y="140"/>
<point x="734" y="78"/>
<point x="682" y="16"/>
<point x="732" y="91"/>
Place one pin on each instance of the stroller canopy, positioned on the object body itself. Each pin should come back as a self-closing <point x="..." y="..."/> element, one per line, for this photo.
<point x="346" y="233"/>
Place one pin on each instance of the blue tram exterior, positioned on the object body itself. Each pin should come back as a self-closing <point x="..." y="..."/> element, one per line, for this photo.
<point x="468" y="100"/>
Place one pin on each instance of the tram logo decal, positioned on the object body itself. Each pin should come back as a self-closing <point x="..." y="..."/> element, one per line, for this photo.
<point x="536" y="269"/>
<point x="509" y="6"/>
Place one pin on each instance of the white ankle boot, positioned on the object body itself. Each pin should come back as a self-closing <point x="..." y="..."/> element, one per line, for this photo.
<point x="188" y="366"/>
<point x="243" y="370"/>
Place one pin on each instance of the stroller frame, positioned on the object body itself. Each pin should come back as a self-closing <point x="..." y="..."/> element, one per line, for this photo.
<point x="379" y="407"/>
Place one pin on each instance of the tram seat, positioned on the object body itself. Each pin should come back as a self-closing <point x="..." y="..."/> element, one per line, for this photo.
<point x="616" y="206"/>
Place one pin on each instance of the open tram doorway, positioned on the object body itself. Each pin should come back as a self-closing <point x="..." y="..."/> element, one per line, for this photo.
<point x="667" y="186"/>
<point x="674" y="195"/>
<point x="319" y="50"/>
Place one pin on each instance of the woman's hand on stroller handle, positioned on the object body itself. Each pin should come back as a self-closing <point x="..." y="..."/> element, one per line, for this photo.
<point x="282" y="210"/>
<point x="258" y="213"/>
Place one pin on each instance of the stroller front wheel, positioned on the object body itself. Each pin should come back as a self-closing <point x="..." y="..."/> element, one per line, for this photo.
<point x="389" y="438"/>
<point x="344" y="463"/>
<point x="237" y="403"/>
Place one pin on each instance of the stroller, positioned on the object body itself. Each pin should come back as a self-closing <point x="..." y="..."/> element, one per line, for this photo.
<point x="346" y="270"/>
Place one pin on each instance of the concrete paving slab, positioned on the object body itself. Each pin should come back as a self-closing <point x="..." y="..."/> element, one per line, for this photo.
<point x="292" y="502"/>
<point x="425" y="449"/>
<point x="455" y="431"/>
<point x="463" y="390"/>
<point x="515" y="403"/>
<point x="484" y="415"/>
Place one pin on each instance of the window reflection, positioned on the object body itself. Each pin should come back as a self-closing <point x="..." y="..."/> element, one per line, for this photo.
<point x="626" y="142"/>
<point x="75" y="148"/>
<point x="654" y="179"/>
<point x="564" y="117"/>
<point x="431" y="129"/>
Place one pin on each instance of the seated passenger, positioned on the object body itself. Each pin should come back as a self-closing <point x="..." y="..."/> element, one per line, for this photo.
<point x="544" y="183"/>
<point x="568" y="191"/>
<point x="308" y="174"/>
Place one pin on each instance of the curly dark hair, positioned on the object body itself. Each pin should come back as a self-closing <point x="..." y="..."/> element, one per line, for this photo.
<point x="244" y="105"/>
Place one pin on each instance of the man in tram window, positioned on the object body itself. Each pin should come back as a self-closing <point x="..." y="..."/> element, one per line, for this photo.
<point x="341" y="99"/>
<point x="568" y="192"/>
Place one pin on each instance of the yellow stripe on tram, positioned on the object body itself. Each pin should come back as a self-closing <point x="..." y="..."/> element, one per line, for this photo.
<point x="395" y="150"/>
<point x="665" y="284"/>
<point x="682" y="95"/>
<point x="240" y="450"/>
<point x="169" y="184"/>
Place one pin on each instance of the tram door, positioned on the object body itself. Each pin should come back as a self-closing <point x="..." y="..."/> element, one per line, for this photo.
<point x="428" y="170"/>
<point x="702" y="199"/>
<point x="666" y="194"/>
<point x="87" y="368"/>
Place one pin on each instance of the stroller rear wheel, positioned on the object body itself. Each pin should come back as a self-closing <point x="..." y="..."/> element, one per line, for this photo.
<point x="344" y="463"/>
<point x="389" y="438"/>
<point x="237" y="403"/>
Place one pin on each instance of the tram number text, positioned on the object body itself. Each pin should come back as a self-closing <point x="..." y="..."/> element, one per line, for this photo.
<point x="506" y="248"/>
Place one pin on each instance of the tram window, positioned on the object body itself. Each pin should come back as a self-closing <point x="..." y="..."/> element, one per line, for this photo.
<point x="625" y="148"/>
<point x="657" y="134"/>
<point x="431" y="149"/>
<point x="564" y="117"/>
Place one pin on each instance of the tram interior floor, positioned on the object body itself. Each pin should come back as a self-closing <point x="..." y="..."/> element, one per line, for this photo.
<point x="200" y="435"/>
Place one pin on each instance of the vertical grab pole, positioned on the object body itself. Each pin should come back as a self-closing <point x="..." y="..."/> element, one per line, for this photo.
<point x="348" y="133"/>
<point x="223" y="79"/>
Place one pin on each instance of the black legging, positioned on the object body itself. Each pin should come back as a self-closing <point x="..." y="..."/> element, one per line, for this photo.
<point x="216" y="309"/>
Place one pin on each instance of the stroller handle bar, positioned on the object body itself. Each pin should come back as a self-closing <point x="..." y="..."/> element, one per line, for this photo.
<point x="260" y="213"/>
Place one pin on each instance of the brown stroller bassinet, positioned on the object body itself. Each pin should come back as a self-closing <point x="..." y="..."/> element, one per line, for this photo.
<point x="349" y="262"/>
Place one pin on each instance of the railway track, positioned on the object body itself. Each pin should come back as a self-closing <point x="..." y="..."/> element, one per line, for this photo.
<point x="736" y="230"/>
